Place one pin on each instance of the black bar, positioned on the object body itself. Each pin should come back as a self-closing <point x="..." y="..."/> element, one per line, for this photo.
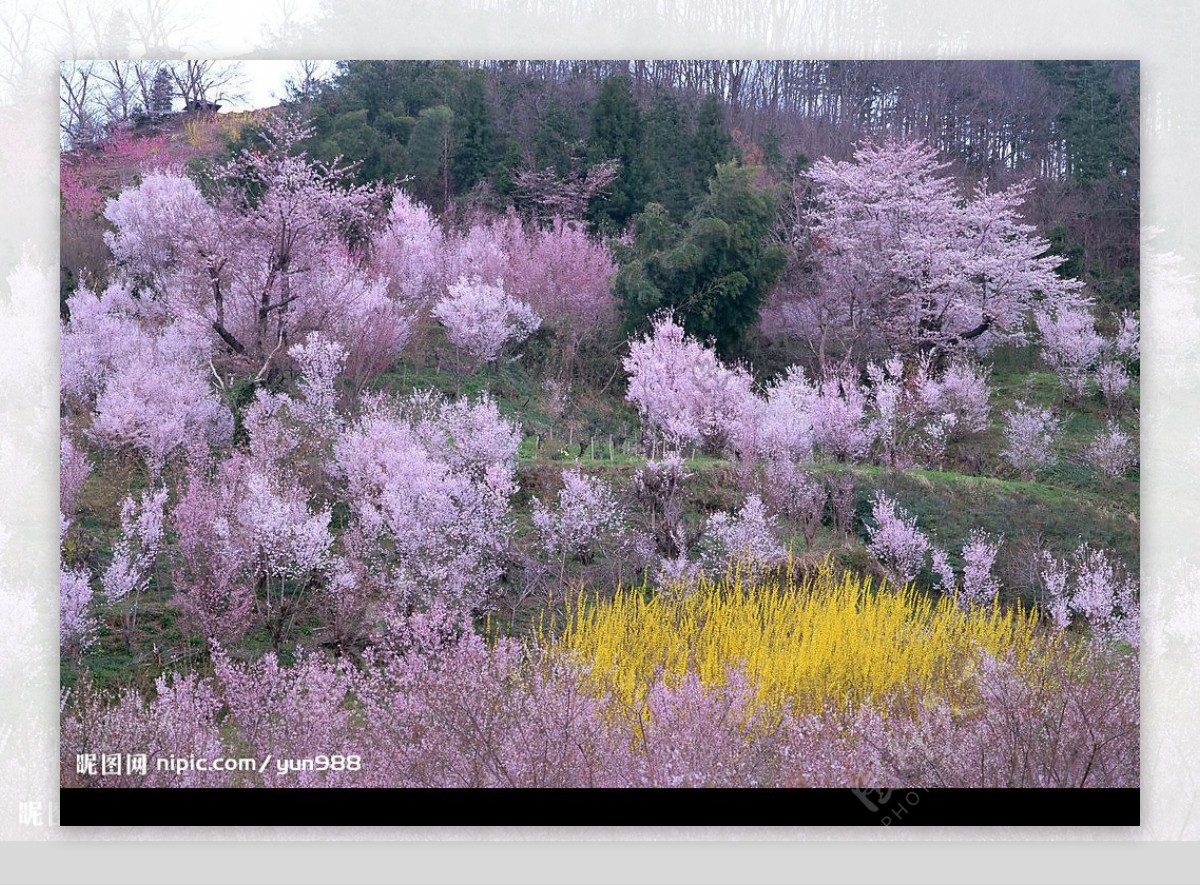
<point x="759" y="807"/>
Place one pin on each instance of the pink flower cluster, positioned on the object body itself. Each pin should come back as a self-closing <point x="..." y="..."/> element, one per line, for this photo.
<point x="683" y="390"/>
<point x="895" y="540"/>
<point x="745" y="538"/>
<point x="249" y="547"/>
<point x="1113" y="452"/>
<point x="1030" y="435"/>
<point x="587" y="515"/>
<point x="1090" y="584"/>
<point x="906" y="262"/>
<point x="435" y="706"/>
<point x="428" y="486"/>
<point x="481" y="318"/>
<point x="144" y="380"/>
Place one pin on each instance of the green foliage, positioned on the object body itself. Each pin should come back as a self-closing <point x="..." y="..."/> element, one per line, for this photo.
<point x="162" y="93"/>
<point x="430" y="151"/>
<point x="556" y="139"/>
<point x="1093" y="117"/>
<point x="714" y="272"/>
<point x="714" y="145"/>
<point x="474" y="137"/>
<point x="1071" y="252"/>
<point x="616" y="133"/>
<point x="445" y="128"/>
<point x="504" y="180"/>
<point x="667" y="155"/>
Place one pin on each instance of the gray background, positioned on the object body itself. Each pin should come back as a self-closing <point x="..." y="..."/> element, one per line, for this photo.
<point x="33" y="35"/>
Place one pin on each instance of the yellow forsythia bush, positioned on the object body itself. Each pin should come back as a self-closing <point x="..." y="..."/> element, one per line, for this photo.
<point x="810" y="642"/>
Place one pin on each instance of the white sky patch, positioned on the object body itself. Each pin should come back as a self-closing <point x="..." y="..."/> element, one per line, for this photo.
<point x="264" y="81"/>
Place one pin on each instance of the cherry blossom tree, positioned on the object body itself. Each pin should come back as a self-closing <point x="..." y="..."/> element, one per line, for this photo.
<point x="555" y="196"/>
<point x="961" y="390"/>
<point x="73" y="474"/>
<point x="683" y="390"/>
<point x="979" y="584"/>
<point x="211" y="572"/>
<point x="288" y="712"/>
<point x="783" y="427"/>
<point x="895" y="418"/>
<point x="910" y="263"/>
<point x="429" y="506"/>
<point x="945" y="580"/>
<point x="180" y="721"/>
<point x="411" y="251"/>
<point x="470" y="435"/>
<point x="1113" y="381"/>
<point x="321" y="361"/>
<point x="565" y="275"/>
<point x="107" y="332"/>
<point x="249" y="544"/>
<point x="266" y="258"/>
<point x="159" y="408"/>
<point x="793" y="493"/>
<point x="1030" y="434"/>
<point x="481" y="318"/>
<point x="77" y="625"/>
<point x="1129" y="337"/>
<point x="1112" y="451"/>
<point x="560" y="271"/>
<point x="658" y="487"/>
<point x="841" y="428"/>
<point x="135" y="554"/>
<point x="371" y="326"/>
<point x="482" y="250"/>
<point x="587" y="515"/>
<point x="744" y="539"/>
<point x="1091" y="584"/>
<point x="918" y="412"/>
<point x="1070" y="344"/>
<point x="161" y="225"/>
<point x="895" y="540"/>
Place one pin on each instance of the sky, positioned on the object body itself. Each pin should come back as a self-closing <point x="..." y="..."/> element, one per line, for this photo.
<point x="264" y="82"/>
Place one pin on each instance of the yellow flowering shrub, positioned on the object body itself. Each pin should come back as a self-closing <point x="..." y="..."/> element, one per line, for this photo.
<point x="810" y="642"/>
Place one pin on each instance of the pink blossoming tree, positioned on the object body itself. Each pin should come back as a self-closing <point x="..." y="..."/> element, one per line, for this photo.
<point x="587" y="517"/>
<point x="1030" y="435"/>
<point x="135" y="554"/>
<point x="894" y="539"/>
<point x="683" y="390"/>
<point x="481" y="318"/>
<point x="910" y="263"/>
<point x="429" y="509"/>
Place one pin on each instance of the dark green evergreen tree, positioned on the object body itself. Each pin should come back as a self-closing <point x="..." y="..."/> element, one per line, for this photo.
<point x="714" y="271"/>
<point x="162" y="93"/>
<point x="666" y="157"/>
<point x="504" y="179"/>
<point x="556" y="140"/>
<point x="430" y="150"/>
<point x="616" y="133"/>
<point x="475" y="139"/>
<point x="1092" y="118"/>
<point x="714" y="144"/>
